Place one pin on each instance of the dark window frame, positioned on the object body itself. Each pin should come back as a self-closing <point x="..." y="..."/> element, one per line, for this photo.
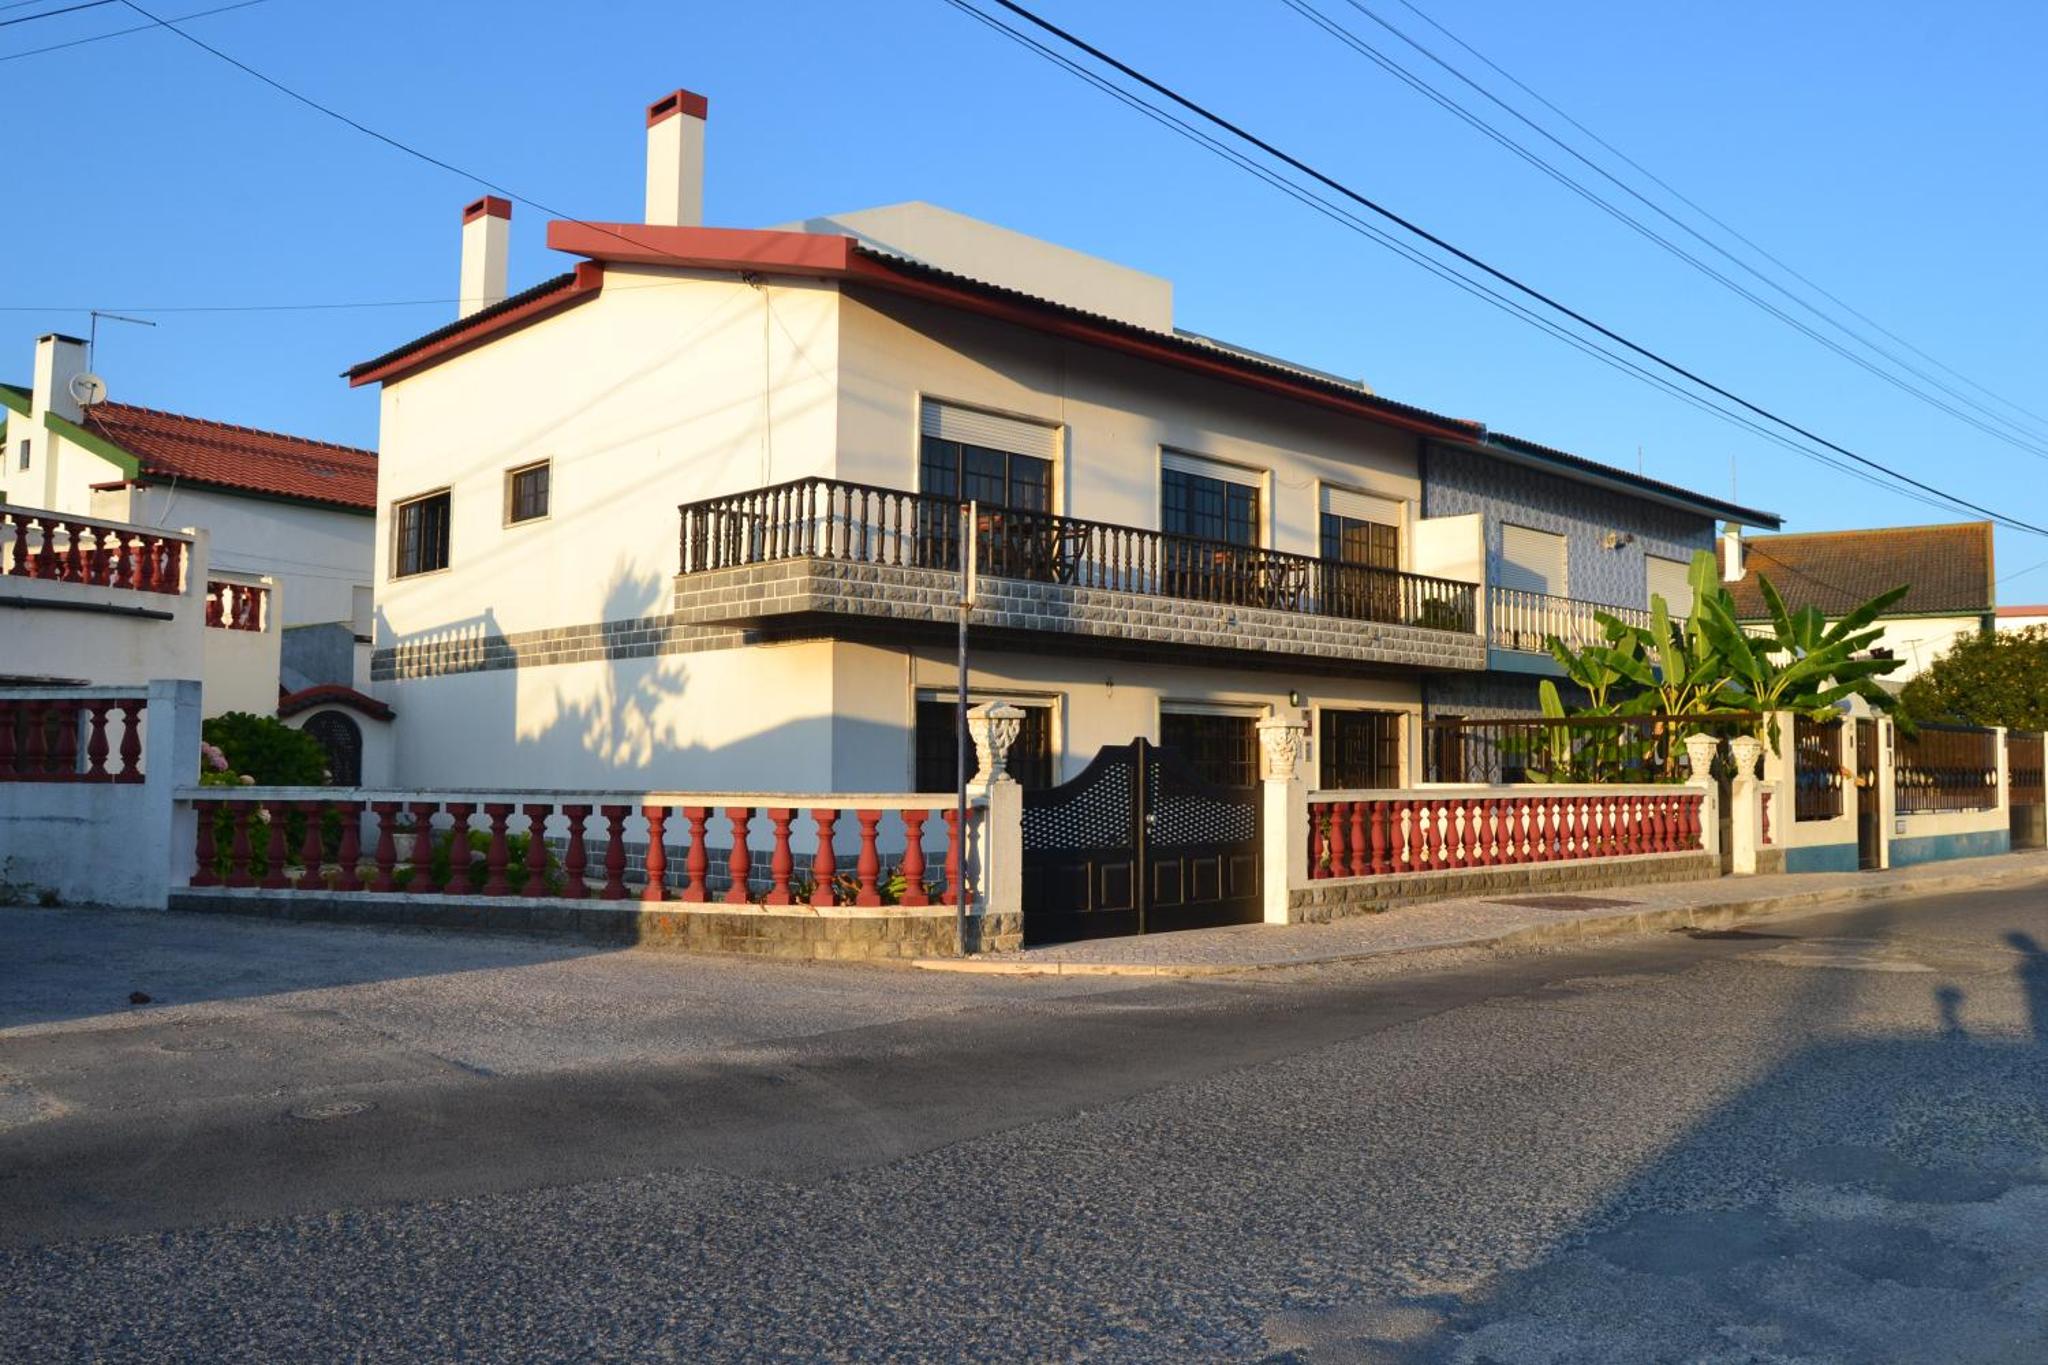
<point x="412" y="530"/>
<point x="514" y="492"/>
<point x="1221" y="746"/>
<point x="1204" y="507"/>
<point x="1368" y="759"/>
<point x="1354" y="540"/>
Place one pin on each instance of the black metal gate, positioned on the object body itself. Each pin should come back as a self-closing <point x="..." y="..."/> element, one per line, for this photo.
<point x="1869" y="825"/>
<point x="1138" y="844"/>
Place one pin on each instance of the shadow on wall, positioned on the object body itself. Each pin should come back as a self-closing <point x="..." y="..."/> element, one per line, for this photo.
<point x="1869" y="1200"/>
<point x="547" y="725"/>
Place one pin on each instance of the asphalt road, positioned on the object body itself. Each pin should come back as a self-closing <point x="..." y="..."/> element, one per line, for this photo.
<point x="1823" y="1141"/>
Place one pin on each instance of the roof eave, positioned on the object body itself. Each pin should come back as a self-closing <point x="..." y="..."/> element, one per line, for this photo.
<point x="1567" y="465"/>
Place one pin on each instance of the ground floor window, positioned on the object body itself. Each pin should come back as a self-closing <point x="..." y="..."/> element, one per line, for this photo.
<point x="1358" y="750"/>
<point x="1222" y="749"/>
<point x="937" y="745"/>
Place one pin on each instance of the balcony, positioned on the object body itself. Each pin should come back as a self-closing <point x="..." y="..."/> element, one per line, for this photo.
<point x="1523" y="622"/>
<point x="820" y="548"/>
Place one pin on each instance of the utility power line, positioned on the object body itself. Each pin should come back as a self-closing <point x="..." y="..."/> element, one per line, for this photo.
<point x="1989" y="421"/>
<point x="1415" y="230"/>
<point x="1696" y="207"/>
<point x="121" y="32"/>
<point x="53" y="13"/>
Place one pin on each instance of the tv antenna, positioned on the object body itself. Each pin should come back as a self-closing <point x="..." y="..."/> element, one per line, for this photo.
<point x="92" y="335"/>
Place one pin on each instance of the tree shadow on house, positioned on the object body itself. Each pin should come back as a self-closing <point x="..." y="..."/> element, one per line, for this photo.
<point x="1878" y="1199"/>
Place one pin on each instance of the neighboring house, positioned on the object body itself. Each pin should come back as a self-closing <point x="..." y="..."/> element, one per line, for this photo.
<point x="2020" y="618"/>
<point x="715" y="544"/>
<point x="1949" y="568"/>
<point x="295" y="511"/>
<point x="1565" y="538"/>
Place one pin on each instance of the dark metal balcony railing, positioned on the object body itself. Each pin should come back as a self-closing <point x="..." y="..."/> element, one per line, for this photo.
<point x="858" y="524"/>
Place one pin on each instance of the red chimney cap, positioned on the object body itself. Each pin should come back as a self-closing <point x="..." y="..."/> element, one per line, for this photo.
<point x="490" y="206"/>
<point x="678" y="102"/>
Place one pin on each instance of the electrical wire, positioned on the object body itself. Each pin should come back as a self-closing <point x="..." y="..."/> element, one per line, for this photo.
<point x="122" y="32"/>
<point x="1416" y="230"/>
<point x="1696" y="207"/>
<point x="53" y="13"/>
<point x="2016" y="435"/>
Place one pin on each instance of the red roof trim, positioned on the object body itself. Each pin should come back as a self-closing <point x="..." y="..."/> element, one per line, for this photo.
<point x="585" y="284"/>
<point x="488" y="206"/>
<point x="678" y="102"/>
<point x="802" y="253"/>
<point x="332" y="694"/>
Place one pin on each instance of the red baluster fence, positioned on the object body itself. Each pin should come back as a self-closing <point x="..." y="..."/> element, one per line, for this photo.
<point x="1381" y="833"/>
<point x="54" y="546"/>
<point x="237" y="606"/>
<point x="90" y="734"/>
<point x="651" y="847"/>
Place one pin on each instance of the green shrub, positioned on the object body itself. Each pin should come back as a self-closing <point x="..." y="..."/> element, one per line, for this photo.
<point x="267" y="749"/>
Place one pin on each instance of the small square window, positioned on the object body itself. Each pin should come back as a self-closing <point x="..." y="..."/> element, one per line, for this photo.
<point x="420" y="535"/>
<point x="526" y="493"/>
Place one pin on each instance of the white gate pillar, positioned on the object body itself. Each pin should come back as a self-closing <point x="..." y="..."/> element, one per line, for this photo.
<point x="1746" y="816"/>
<point x="1699" y="758"/>
<point x="1284" y="814"/>
<point x="996" y="854"/>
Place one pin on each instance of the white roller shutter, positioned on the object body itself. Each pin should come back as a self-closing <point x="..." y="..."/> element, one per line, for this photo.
<point x="970" y="426"/>
<point x="1361" y="506"/>
<point x="1668" y="579"/>
<point x="1531" y="560"/>
<point x="1209" y="469"/>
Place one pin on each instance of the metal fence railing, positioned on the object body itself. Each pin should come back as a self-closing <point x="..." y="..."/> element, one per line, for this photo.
<point x="1507" y="750"/>
<point x="1945" y="768"/>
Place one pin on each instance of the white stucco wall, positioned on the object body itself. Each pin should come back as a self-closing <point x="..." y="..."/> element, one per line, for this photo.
<point x="43" y="639"/>
<point x="1920" y="640"/>
<point x="318" y="557"/>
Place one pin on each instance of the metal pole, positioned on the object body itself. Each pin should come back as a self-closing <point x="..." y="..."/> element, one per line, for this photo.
<point x="969" y="547"/>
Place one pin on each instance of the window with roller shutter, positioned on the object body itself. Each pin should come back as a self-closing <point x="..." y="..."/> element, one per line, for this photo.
<point x="1531" y="560"/>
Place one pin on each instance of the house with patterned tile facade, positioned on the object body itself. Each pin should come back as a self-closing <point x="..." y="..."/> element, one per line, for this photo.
<point x="698" y="510"/>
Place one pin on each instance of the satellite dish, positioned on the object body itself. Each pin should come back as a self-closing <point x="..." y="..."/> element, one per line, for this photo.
<point x="88" y="389"/>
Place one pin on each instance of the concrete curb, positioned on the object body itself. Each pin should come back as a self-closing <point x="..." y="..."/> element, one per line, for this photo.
<point x="1718" y="914"/>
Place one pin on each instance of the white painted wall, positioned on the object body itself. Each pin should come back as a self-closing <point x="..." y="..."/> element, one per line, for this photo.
<point x="1920" y="640"/>
<point x="240" y="667"/>
<point x="380" y="745"/>
<point x="42" y="638"/>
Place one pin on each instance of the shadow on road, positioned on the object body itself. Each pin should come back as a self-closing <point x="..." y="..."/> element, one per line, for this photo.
<point x="1872" y="1201"/>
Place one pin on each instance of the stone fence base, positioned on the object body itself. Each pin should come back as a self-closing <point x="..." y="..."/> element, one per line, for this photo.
<point x="1337" y="899"/>
<point x="800" y="932"/>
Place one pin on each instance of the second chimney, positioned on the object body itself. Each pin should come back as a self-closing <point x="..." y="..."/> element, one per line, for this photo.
<point x="675" y="159"/>
<point x="1732" y="566"/>
<point x="486" y="253"/>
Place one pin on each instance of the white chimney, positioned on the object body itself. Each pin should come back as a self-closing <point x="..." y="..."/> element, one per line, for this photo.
<point x="675" y="159"/>
<point x="58" y="359"/>
<point x="1731" y="553"/>
<point x="486" y="253"/>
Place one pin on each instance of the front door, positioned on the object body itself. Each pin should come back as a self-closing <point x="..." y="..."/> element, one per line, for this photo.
<point x="1139" y="843"/>
<point x="1869" y="830"/>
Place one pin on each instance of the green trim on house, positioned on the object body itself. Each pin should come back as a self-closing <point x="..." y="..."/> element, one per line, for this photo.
<point x="98" y="445"/>
<point x="16" y="397"/>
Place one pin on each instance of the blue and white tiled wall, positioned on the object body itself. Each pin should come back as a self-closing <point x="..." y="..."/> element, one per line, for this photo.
<point x="1456" y="483"/>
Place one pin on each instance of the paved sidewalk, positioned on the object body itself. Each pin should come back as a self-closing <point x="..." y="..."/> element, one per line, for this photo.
<point x="1499" y="921"/>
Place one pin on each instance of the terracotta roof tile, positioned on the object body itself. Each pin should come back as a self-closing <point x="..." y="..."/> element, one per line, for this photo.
<point x="1949" y="568"/>
<point x="332" y="694"/>
<point x="168" y="445"/>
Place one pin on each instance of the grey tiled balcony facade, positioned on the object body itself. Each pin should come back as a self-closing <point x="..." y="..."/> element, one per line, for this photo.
<point x="788" y="589"/>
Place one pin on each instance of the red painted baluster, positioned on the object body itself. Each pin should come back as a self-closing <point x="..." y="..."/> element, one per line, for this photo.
<point x="536" y="850"/>
<point x="955" y="863"/>
<point x="913" y="858"/>
<point x="781" y="863"/>
<point x="74" y="552"/>
<point x="131" y="742"/>
<point x="274" y="851"/>
<point x="1340" y="860"/>
<point x="96" y="741"/>
<point x="656" y="888"/>
<point x="1660" y="824"/>
<point x="312" y="852"/>
<point x="460" y="854"/>
<point x="1695" y="816"/>
<point x="240" y="855"/>
<point x="867" y="868"/>
<point x="204" y="855"/>
<point x="1315" y="843"/>
<point x="64" y="754"/>
<point x="1465" y="836"/>
<point x="386" y="855"/>
<point x="497" y="853"/>
<point x="1420" y="857"/>
<point x="739" y="863"/>
<point x="696" y="857"/>
<point x="1645" y="840"/>
<point x="423" y="847"/>
<point x="1608" y="822"/>
<point x="348" y="855"/>
<point x="824" y="866"/>
<point x="614" y="853"/>
<point x="1357" y="840"/>
<point x="576" y="857"/>
<point x="1380" y="865"/>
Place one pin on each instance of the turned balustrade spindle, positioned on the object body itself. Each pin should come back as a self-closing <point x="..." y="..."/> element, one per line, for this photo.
<point x="576" y="857"/>
<point x="955" y="859"/>
<point x="348" y="854"/>
<point x="913" y="858"/>
<point x="422" y="849"/>
<point x="739" y="864"/>
<point x="867" y="867"/>
<point x="824" y="863"/>
<point x="312" y="851"/>
<point x="240" y="854"/>
<point x="696" y="858"/>
<point x="274" y="852"/>
<point x="459" y="853"/>
<point x="781" y="863"/>
<point x="204" y="855"/>
<point x="614" y="853"/>
<point x="536" y="850"/>
<point x="656" y="887"/>
<point x="386" y="856"/>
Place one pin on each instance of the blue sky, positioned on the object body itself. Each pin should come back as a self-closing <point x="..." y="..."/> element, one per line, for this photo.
<point x="1889" y="152"/>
